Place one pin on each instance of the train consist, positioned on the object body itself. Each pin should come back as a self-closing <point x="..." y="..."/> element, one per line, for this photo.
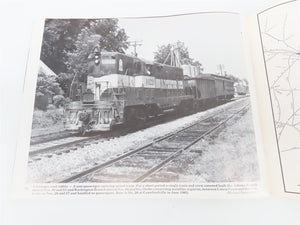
<point x="121" y="89"/>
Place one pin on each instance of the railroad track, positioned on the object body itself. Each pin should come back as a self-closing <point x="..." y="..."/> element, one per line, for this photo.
<point x="138" y="164"/>
<point x="64" y="142"/>
<point x="43" y="138"/>
<point x="57" y="146"/>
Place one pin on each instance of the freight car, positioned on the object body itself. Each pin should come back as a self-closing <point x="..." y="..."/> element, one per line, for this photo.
<point x="224" y="88"/>
<point x="122" y="89"/>
<point x="208" y="89"/>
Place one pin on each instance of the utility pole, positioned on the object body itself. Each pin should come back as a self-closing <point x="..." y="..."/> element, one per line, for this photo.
<point x="135" y="44"/>
<point x="221" y="67"/>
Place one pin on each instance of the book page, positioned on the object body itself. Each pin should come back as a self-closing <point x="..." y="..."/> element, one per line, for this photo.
<point x="276" y="41"/>
<point x="140" y="107"/>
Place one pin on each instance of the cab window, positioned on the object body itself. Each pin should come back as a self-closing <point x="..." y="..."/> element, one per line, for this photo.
<point x="108" y="60"/>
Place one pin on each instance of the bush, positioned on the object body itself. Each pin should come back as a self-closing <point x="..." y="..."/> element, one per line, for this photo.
<point x="41" y="102"/>
<point x="46" y="87"/>
<point x="59" y="100"/>
<point x="51" y="107"/>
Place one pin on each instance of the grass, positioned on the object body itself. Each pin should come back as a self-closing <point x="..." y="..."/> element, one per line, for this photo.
<point x="47" y="119"/>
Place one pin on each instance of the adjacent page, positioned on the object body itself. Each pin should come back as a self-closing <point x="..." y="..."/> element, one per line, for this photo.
<point x="148" y="107"/>
<point x="275" y="40"/>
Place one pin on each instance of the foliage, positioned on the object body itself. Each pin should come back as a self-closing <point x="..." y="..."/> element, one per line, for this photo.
<point x="245" y="81"/>
<point x="41" y="102"/>
<point x="104" y="33"/>
<point x="238" y="80"/>
<point x="234" y="78"/>
<point x="161" y="56"/>
<point x="67" y="44"/>
<point x="51" y="107"/>
<point x="112" y="38"/>
<point x="58" y="101"/>
<point x="65" y="80"/>
<point x="58" y="40"/>
<point x="42" y="119"/>
<point x="47" y="85"/>
<point x="67" y="41"/>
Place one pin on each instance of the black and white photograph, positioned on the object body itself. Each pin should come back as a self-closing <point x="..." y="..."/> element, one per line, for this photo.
<point x="157" y="99"/>
<point x="150" y="112"/>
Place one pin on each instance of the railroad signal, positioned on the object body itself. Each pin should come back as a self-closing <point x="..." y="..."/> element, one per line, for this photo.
<point x="97" y="54"/>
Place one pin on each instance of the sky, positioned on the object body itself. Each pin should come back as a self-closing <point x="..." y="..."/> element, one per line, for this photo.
<point x="211" y="38"/>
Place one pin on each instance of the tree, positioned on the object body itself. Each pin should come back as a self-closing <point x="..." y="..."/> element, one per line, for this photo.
<point x="47" y="86"/>
<point x="112" y="37"/>
<point x="104" y="33"/>
<point x="58" y="101"/>
<point x="235" y="79"/>
<point x="197" y="64"/>
<point x="161" y="56"/>
<point x="65" y="39"/>
<point x="245" y="81"/>
<point x="58" y="40"/>
<point x="67" y="44"/>
<point x="65" y="80"/>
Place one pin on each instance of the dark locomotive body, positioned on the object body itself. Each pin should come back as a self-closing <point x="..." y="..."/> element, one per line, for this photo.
<point x="123" y="89"/>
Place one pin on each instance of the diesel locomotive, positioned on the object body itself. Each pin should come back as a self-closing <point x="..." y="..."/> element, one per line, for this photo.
<point x="123" y="89"/>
